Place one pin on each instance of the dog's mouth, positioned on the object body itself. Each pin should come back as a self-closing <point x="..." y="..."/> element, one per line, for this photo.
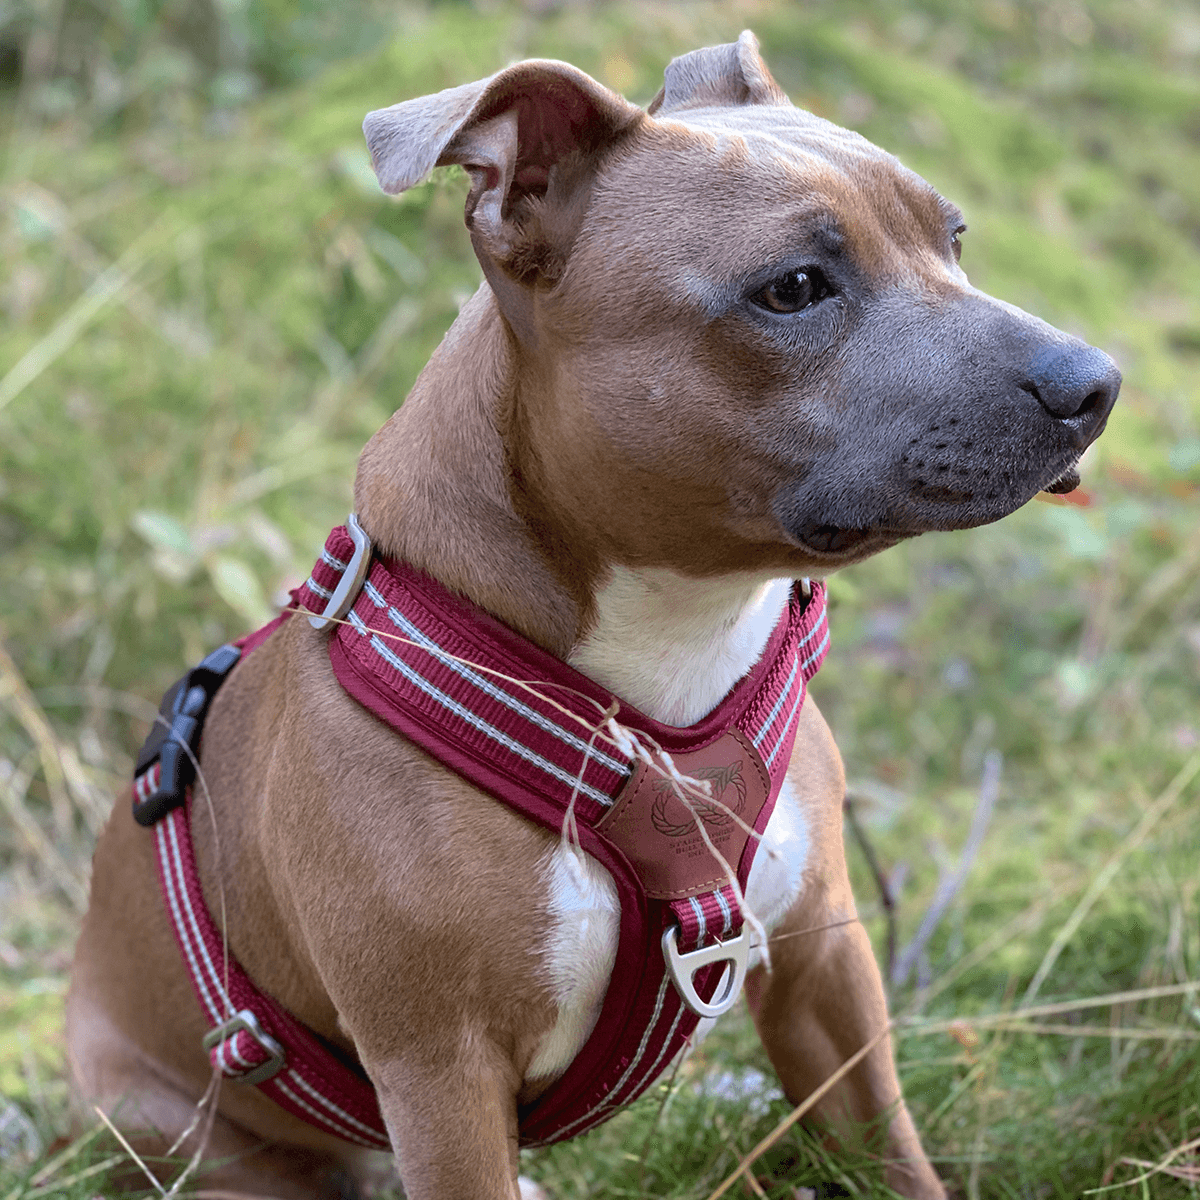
<point x="850" y="542"/>
<point x="1068" y="481"/>
<point x="833" y="539"/>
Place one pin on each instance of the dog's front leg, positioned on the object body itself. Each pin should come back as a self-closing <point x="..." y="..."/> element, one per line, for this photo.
<point x="822" y="1003"/>
<point x="823" y="1000"/>
<point x="452" y="1122"/>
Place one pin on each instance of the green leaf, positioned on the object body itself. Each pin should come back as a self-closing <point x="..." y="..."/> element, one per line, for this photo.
<point x="163" y="532"/>
<point x="238" y="586"/>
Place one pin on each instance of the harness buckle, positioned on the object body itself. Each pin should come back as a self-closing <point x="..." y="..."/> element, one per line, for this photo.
<point x="246" y="1022"/>
<point x="174" y="740"/>
<point x="683" y="966"/>
<point x="352" y="580"/>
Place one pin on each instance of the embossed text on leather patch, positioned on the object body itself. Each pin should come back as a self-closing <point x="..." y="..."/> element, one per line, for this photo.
<point x="658" y="832"/>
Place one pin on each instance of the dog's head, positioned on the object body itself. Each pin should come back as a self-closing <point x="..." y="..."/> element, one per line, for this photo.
<point x="743" y="330"/>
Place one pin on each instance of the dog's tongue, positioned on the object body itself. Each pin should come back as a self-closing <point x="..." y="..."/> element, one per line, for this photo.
<point x="1068" y="481"/>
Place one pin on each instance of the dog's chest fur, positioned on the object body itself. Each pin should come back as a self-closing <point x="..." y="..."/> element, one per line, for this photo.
<point x="672" y="647"/>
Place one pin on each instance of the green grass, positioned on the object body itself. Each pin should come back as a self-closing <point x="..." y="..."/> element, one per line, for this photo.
<point x="178" y="432"/>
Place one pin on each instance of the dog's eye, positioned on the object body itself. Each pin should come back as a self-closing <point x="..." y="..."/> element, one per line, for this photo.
<point x="794" y="291"/>
<point x="955" y="244"/>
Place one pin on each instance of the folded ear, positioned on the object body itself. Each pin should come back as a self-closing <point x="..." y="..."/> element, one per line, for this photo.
<point x="530" y="138"/>
<point x="717" y="77"/>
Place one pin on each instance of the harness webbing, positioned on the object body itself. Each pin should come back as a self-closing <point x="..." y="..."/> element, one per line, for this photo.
<point x="444" y="673"/>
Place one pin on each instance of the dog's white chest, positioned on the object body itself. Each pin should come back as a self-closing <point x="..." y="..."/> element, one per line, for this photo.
<point x="673" y="647"/>
<point x="585" y="912"/>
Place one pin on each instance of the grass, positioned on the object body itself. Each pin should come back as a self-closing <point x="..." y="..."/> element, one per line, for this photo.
<point x="211" y="308"/>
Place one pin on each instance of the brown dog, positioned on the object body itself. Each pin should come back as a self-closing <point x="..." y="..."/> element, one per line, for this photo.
<point x="722" y="344"/>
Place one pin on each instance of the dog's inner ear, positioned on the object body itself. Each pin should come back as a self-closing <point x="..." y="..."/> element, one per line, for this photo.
<point x="531" y="139"/>
<point x="718" y="77"/>
<point x="531" y="148"/>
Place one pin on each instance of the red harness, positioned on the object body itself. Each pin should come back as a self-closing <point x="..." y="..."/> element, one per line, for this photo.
<point x="444" y="673"/>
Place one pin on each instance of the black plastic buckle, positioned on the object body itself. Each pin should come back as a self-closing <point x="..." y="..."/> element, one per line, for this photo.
<point x="175" y="738"/>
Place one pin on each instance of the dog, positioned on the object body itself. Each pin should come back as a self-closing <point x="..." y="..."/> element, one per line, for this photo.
<point x="721" y="345"/>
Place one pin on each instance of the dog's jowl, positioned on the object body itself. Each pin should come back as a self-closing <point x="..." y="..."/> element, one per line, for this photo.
<point x="722" y="348"/>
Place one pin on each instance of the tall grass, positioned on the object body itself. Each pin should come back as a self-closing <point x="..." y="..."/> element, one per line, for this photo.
<point x="211" y="307"/>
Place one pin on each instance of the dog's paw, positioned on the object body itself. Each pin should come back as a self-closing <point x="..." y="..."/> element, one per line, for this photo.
<point x="530" y="1190"/>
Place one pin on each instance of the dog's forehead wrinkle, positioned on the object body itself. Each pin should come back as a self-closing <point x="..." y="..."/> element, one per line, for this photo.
<point x="781" y="131"/>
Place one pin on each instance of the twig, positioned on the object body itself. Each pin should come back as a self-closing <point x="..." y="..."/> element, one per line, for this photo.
<point x="886" y="898"/>
<point x="989" y="790"/>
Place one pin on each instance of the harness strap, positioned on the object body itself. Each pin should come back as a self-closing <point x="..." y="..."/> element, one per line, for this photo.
<point x="410" y="651"/>
<point x="254" y="1038"/>
<point x="446" y="674"/>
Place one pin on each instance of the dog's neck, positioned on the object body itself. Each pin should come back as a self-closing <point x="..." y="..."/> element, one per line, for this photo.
<point x="435" y="487"/>
<point x="673" y="646"/>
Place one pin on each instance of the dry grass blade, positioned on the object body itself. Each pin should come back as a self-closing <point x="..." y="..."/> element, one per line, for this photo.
<point x="1022" y="923"/>
<point x="753" y="1186"/>
<point x="16" y="696"/>
<point x="791" y="933"/>
<point x="71" y="325"/>
<point x="41" y="847"/>
<point x="133" y="1154"/>
<point x="1150" y="818"/>
<point x="1159" y="1168"/>
<point x="983" y="1020"/>
<point x="627" y="741"/>
<point x="1169" y="577"/>
<point x="1016" y="1025"/>
<point x="63" y="1157"/>
<point x="99" y="1168"/>
<point x="798" y="1112"/>
<point x="172" y="327"/>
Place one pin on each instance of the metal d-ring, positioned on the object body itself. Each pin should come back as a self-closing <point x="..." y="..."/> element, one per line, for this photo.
<point x="683" y="966"/>
<point x="353" y="577"/>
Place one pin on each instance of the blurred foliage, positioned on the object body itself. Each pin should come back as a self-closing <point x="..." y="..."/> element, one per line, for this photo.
<point x="211" y="307"/>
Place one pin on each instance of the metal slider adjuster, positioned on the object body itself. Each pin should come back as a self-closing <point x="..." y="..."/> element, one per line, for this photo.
<point x="248" y="1022"/>
<point x="353" y="577"/>
<point x="683" y="966"/>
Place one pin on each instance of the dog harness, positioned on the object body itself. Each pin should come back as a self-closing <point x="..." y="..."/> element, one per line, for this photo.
<point x="537" y="735"/>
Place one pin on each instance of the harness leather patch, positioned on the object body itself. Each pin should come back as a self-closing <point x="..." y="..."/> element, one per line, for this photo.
<point x="658" y="831"/>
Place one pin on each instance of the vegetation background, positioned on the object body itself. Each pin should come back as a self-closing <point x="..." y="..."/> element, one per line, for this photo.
<point x="209" y="306"/>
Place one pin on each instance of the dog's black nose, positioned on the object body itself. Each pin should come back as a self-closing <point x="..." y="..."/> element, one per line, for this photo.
<point x="1074" y="381"/>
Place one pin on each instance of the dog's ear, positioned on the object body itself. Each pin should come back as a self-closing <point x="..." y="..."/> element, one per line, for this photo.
<point x="529" y="137"/>
<point x="718" y="76"/>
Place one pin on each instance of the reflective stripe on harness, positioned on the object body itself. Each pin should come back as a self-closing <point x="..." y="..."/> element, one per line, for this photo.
<point x="442" y="672"/>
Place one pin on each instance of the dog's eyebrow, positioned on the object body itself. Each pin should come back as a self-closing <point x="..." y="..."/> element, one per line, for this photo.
<point x="817" y="233"/>
<point x="828" y="235"/>
<point x="952" y="213"/>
